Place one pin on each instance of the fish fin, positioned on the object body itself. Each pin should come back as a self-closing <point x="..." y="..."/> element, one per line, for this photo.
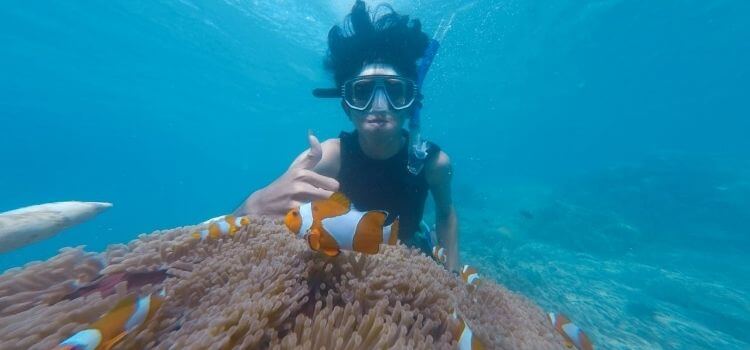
<point x="330" y="251"/>
<point x="313" y="239"/>
<point x="394" y="232"/>
<point x="586" y="343"/>
<point x="476" y="344"/>
<point x="328" y="208"/>
<point x="107" y="345"/>
<point x="320" y="241"/>
<point x="340" y="198"/>
<point x="369" y="232"/>
<point x="328" y="243"/>
<point x="126" y="306"/>
<point x="458" y="326"/>
<point x="112" y="323"/>
<point x="157" y="300"/>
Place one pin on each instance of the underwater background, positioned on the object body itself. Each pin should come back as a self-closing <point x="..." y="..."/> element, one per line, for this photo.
<point x="600" y="148"/>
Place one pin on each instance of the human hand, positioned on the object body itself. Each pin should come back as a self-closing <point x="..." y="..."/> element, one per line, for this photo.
<point x="299" y="184"/>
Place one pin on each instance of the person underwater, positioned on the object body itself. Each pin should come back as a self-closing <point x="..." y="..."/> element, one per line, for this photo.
<point x="106" y="332"/>
<point x="373" y="59"/>
<point x="331" y="225"/>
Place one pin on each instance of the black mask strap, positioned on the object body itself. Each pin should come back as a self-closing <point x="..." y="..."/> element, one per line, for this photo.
<point x="327" y="92"/>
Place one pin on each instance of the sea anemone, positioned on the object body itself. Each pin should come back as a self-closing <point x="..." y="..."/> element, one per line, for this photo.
<point x="264" y="288"/>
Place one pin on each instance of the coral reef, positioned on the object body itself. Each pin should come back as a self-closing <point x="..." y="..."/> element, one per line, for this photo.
<point x="264" y="288"/>
<point x="644" y="255"/>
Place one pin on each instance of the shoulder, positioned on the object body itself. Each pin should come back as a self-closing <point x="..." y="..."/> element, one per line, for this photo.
<point x="438" y="169"/>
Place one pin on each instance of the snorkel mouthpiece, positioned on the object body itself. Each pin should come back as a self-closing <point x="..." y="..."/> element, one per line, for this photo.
<point x="417" y="151"/>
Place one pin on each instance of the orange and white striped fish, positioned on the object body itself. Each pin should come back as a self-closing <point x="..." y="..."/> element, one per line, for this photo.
<point x="570" y="332"/>
<point x="464" y="336"/>
<point x="332" y="225"/>
<point x="438" y="253"/>
<point x="226" y="225"/>
<point x="129" y="314"/>
<point x="470" y="276"/>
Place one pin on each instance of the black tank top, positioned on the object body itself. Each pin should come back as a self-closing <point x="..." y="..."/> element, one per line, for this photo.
<point x="374" y="184"/>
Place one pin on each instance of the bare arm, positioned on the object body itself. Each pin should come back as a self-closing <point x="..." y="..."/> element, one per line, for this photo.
<point x="309" y="177"/>
<point x="439" y="174"/>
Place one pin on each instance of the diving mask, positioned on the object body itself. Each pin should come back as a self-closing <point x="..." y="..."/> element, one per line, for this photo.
<point x="358" y="93"/>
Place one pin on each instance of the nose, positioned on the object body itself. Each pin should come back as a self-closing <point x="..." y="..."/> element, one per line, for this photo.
<point x="379" y="101"/>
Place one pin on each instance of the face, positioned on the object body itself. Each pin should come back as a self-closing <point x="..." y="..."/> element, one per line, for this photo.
<point x="379" y="119"/>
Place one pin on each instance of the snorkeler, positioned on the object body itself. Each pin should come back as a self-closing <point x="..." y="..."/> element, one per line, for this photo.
<point x="374" y="65"/>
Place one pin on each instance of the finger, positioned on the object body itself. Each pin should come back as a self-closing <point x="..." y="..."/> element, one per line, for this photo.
<point x="321" y="181"/>
<point x="310" y="193"/>
<point x="313" y="155"/>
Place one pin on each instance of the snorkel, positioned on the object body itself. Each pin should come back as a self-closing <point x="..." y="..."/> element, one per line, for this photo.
<point x="417" y="146"/>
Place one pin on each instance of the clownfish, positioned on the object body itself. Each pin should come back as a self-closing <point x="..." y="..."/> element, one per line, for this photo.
<point x="438" y="253"/>
<point x="110" y="329"/>
<point x="570" y="332"/>
<point x="464" y="336"/>
<point x="470" y="276"/>
<point x="331" y="225"/>
<point x="222" y="226"/>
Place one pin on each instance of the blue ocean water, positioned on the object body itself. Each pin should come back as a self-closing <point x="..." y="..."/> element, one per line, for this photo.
<point x="600" y="151"/>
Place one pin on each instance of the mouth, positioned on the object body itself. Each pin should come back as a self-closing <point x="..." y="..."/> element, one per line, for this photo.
<point x="377" y="121"/>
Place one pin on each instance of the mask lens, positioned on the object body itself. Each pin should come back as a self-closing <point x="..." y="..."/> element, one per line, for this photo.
<point x="400" y="92"/>
<point x="359" y="92"/>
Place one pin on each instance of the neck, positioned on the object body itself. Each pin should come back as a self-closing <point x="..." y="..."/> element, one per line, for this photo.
<point x="381" y="147"/>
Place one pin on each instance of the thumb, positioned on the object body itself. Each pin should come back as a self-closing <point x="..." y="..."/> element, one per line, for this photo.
<point x="314" y="154"/>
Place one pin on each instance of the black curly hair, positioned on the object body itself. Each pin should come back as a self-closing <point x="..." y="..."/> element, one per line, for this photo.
<point x="385" y="37"/>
